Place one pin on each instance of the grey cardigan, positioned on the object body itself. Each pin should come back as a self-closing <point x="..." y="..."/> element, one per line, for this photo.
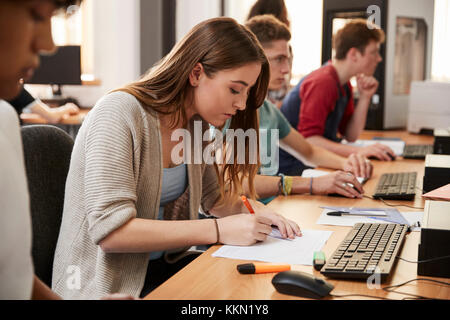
<point x="115" y="175"/>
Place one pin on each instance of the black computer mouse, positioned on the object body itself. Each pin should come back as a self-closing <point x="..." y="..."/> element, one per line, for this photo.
<point x="392" y="157"/>
<point x="340" y="195"/>
<point x="301" y="284"/>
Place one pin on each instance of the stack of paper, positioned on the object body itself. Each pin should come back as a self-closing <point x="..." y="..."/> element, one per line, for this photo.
<point x="392" y="216"/>
<point x="439" y="194"/>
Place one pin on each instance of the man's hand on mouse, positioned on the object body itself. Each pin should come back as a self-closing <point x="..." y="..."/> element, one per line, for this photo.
<point x="378" y="151"/>
<point x="343" y="183"/>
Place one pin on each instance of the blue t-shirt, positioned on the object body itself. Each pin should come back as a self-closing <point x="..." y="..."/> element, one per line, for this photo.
<point x="173" y="186"/>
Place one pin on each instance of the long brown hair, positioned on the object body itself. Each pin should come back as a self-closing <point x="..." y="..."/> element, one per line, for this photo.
<point x="218" y="44"/>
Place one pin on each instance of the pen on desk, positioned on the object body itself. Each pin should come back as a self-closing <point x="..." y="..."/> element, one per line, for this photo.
<point x="345" y="213"/>
<point x="252" y="268"/>
<point x="247" y="204"/>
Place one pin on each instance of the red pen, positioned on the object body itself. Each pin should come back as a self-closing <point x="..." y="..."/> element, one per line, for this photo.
<point x="247" y="204"/>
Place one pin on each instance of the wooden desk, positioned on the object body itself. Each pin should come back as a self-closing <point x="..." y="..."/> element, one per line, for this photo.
<point x="33" y="118"/>
<point x="217" y="278"/>
<point x="69" y="123"/>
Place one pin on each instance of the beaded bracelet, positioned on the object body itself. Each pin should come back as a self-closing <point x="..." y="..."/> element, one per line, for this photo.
<point x="281" y="188"/>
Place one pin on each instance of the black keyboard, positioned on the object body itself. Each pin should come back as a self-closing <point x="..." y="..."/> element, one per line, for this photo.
<point x="367" y="249"/>
<point x="396" y="186"/>
<point x="417" y="151"/>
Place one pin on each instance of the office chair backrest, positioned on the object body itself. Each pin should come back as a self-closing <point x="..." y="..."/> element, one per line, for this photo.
<point x="47" y="151"/>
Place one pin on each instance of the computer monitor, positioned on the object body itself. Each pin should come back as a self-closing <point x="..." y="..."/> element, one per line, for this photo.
<point x="61" y="68"/>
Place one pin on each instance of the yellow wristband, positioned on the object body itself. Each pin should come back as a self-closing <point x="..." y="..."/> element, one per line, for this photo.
<point x="288" y="184"/>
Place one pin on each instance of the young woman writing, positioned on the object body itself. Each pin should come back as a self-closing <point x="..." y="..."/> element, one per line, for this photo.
<point x="129" y="209"/>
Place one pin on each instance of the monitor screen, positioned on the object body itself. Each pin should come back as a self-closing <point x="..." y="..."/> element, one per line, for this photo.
<point x="62" y="68"/>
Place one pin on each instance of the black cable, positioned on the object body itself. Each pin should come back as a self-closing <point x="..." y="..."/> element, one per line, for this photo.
<point x="416" y="297"/>
<point x="422" y="261"/>
<point x="393" y="205"/>
<point x="389" y="289"/>
<point x="358" y="295"/>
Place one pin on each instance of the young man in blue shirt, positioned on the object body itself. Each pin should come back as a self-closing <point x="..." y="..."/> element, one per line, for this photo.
<point x="274" y="37"/>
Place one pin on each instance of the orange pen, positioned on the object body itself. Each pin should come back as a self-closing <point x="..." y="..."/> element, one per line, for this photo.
<point x="251" y="268"/>
<point x="247" y="204"/>
<point x="274" y="228"/>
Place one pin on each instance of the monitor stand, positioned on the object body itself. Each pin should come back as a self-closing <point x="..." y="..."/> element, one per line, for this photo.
<point x="58" y="99"/>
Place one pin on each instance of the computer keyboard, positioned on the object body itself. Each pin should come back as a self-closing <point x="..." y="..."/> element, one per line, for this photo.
<point x="417" y="151"/>
<point x="396" y="186"/>
<point x="367" y="249"/>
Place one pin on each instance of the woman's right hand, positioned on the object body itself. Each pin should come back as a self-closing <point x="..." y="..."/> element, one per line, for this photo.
<point x="338" y="182"/>
<point x="243" y="229"/>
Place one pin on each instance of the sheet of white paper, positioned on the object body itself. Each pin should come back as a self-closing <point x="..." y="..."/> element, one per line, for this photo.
<point x="396" y="145"/>
<point x="344" y="221"/>
<point x="413" y="217"/>
<point x="297" y="251"/>
<point x="314" y="173"/>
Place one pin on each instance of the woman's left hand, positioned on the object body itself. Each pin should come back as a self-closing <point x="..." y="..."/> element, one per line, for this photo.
<point x="288" y="228"/>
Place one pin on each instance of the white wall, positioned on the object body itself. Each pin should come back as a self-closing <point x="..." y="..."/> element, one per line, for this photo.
<point x="238" y="9"/>
<point x="303" y="15"/>
<point x="440" y="69"/>
<point x="191" y="12"/>
<point x="116" y="41"/>
<point x="306" y="29"/>
<point x="116" y="49"/>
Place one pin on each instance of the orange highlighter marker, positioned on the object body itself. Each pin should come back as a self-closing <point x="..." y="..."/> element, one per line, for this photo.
<point x="252" y="268"/>
<point x="247" y="204"/>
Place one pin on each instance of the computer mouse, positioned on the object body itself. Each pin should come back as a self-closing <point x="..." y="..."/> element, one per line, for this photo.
<point x="340" y="195"/>
<point x="392" y="157"/>
<point x="301" y="284"/>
